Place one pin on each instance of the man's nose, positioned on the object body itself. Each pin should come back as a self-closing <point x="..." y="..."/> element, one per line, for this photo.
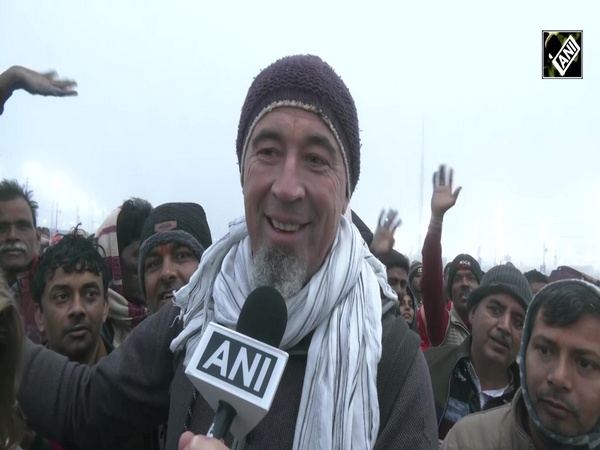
<point x="288" y="187"/>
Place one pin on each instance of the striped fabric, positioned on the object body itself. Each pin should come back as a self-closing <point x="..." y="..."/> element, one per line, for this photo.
<point x="341" y="304"/>
<point x="124" y="316"/>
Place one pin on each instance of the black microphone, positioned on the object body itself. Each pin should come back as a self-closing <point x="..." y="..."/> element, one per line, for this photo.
<point x="238" y="372"/>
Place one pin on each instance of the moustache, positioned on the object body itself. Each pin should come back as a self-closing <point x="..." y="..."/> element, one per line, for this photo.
<point x="554" y="395"/>
<point x="78" y="325"/>
<point x="501" y="338"/>
<point x="13" y="246"/>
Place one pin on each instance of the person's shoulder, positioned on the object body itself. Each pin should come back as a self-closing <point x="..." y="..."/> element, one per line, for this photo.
<point x="434" y="354"/>
<point x="482" y="430"/>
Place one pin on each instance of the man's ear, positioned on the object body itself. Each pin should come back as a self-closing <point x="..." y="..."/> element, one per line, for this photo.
<point x="472" y="313"/>
<point x="39" y="318"/>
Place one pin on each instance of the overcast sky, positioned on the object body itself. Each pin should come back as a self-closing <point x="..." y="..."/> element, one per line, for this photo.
<point x="161" y="85"/>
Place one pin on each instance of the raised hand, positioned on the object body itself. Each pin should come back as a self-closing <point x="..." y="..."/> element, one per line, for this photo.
<point x="383" y="238"/>
<point x="443" y="198"/>
<point x="47" y="83"/>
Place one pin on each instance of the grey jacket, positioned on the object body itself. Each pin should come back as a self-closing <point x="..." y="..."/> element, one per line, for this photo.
<point x="142" y="384"/>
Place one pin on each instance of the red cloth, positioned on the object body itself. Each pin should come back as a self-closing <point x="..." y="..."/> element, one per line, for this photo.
<point x="26" y="303"/>
<point x="436" y="309"/>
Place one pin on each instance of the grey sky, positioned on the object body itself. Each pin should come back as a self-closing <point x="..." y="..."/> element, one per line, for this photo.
<point x="161" y="85"/>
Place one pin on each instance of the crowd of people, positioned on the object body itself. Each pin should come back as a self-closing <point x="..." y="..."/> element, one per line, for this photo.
<point x="97" y="327"/>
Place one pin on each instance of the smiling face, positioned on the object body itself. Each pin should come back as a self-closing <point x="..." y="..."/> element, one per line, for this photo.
<point x="294" y="186"/>
<point x="563" y="374"/>
<point x="497" y="325"/>
<point x="167" y="268"/>
<point x="18" y="235"/>
<point x="74" y="308"/>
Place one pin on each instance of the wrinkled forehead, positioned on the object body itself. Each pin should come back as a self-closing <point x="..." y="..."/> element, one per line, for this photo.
<point x="15" y="209"/>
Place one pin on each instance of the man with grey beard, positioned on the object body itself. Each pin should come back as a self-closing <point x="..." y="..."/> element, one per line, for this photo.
<point x="279" y="268"/>
<point x="18" y="247"/>
<point x="355" y="377"/>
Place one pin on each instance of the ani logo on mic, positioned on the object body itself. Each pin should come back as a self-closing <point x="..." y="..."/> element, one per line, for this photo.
<point x="232" y="361"/>
<point x="562" y="54"/>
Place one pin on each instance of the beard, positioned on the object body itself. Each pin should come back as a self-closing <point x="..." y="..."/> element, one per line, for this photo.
<point x="281" y="269"/>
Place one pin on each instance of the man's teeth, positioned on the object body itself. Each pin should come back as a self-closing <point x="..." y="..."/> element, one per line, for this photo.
<point x="285" y="226"/>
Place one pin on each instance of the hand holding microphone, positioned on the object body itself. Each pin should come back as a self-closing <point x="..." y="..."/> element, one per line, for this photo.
<point x="190" y="442"/>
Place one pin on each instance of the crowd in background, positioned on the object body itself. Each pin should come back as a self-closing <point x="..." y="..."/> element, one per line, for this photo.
<point x="501" y="359"/>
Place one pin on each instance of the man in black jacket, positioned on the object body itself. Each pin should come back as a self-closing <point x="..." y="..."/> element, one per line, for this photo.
<point x="298" y="148"/>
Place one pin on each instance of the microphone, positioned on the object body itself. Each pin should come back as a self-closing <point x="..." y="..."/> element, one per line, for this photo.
<point x="238" y="372"/>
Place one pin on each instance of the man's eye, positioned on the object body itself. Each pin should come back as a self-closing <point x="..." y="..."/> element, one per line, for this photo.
<point x="184" y="255"/>
<point x="60" y="297"/>
<point x="587" y="365"/>
<point x="542" y="350"/>
<point x="267" y="152"/>
<point x="317" y="161"/>
<point x="152" y="264"/>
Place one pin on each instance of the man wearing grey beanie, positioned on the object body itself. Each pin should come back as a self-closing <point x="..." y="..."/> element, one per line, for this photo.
<point x="481" y="372"/>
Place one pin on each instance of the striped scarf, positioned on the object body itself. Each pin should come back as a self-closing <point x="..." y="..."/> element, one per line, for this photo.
<point x="123" y="315"/>
<point x="341" y="304"/>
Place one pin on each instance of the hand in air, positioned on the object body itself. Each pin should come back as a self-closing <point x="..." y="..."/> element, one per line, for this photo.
<point x="383" y="239"/>
<point x="47" y="83"/>
<point x="443" y="198"/>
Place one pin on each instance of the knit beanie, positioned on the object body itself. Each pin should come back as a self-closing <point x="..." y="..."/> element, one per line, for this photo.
<point x="415" y="268"/>
<point x="309" y="83"/>
<point x="504" y="279"/>
<point x="462" y="262"/>
<point x="184" y="223"/>
<point x="580" y="442"/>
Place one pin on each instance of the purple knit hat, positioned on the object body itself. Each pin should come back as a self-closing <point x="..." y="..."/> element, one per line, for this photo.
<point x="309" y="83"/>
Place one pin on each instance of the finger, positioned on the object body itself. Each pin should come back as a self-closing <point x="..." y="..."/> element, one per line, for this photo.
<point x="442" y="175"/>
<point x="380" y="220"/>
<point x="64" y="84"/>
<point x="457" y="192"/>
<point x="450" y="178"/>
<point x="397" y="222"/>
<point x="185" y="439"/>
<point x="391" y="215"/>
<point x="436" y="179"/>
<point x="51" y="74"/>
<point x="65" y="93"/>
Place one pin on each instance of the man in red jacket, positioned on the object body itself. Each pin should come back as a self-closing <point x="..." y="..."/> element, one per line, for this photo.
<point x="444" y="316"/>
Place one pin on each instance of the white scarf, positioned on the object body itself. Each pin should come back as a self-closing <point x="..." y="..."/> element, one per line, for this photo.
<point x="341" y="303"/>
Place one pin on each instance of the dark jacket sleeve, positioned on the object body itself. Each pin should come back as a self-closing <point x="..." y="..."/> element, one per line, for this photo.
<point x="126" y="393"/>
<point x="432" y="288"/>
<point x="412" y="423"/>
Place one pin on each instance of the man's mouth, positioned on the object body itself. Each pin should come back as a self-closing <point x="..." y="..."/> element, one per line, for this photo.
<point x="167" y="295"/>
<point x="78" y="331"/>
<point x="556" y="408"/>
<point x="500" y="342"/>
<point x="287" y="227"/>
